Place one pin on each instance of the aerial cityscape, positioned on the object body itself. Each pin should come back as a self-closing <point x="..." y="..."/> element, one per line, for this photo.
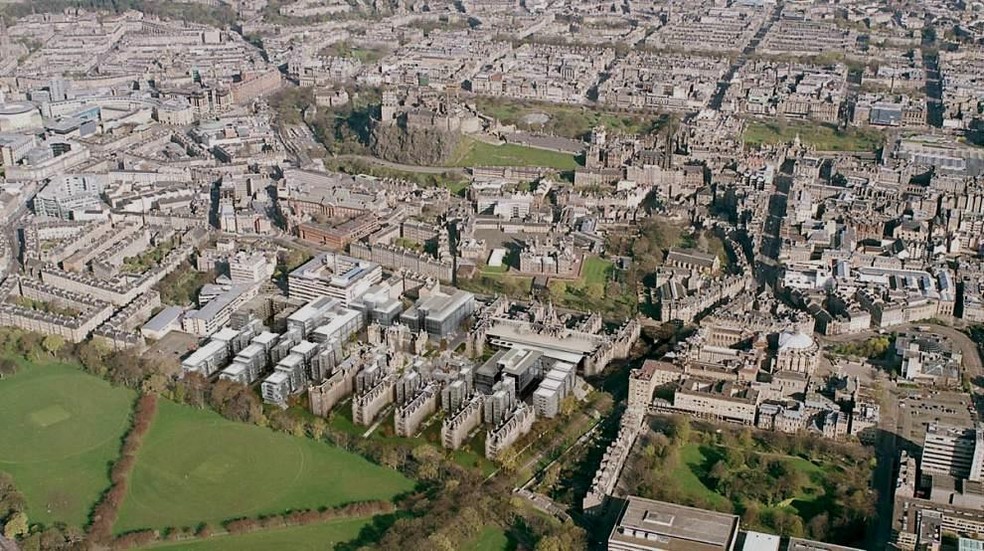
<point x="492" y="275"/>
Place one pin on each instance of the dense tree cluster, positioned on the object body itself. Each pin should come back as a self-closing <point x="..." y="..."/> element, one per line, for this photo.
<point x="181" y="286"/>
<point x="8" y="367"/>
<point x="15" y="523"/>
<point x="341" y="130"/>
<point x="12" y="505"/>
<point x="873" y="348"/>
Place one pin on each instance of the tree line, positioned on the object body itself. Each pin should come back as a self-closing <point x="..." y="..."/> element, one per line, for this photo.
<point x="100" y="529"/>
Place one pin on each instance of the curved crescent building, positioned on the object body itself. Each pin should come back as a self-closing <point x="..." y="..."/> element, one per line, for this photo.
<point x="17" y="115"/>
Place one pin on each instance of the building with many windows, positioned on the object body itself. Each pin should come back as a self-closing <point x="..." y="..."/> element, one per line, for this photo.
<point x="333" y="275"/>
<point x="68" y="196"/>
<point x="441" y="313"/>
<point x="953" y="451"/>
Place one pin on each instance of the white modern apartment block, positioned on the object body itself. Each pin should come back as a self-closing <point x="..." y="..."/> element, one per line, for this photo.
<point x="556" y="385"/>
<point x="207" y="359"/>
<point x="215" y="314"/>
<point x="953" y="451"/>
<point x="250" y="268"/>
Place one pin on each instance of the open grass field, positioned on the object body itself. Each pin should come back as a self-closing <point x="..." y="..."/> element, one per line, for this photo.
<point x="492" y="538"/>
<point x="824" y="137"/>
<point x="195" y="466"/>
<point x="313" y="537"/>
<point x="60" y="428"/>
<point x="570" y="121"/>
<point x="476" y="153"/>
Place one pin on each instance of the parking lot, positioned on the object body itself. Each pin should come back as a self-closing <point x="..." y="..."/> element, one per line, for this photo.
<point x="920" y="407"/>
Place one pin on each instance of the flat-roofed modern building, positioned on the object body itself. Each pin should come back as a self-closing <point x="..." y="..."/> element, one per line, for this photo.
<point x="313" y="314"/>
<point x="440" y="314"/>
<point x="249" y="268"/>
<point x="521" y="365"/>
<point x="797" y="544"/>
<point x="757" y="541"/>
<point x="206" y="360"/>
<point x="216" y="313"/>
<point x="333" y="275"/>
<point x="276" y="388"/>
<point x="953" y="451"/>
<point x="338" y="325"/>
<point x="648" y="525"/>
<point x="167" y="320"/>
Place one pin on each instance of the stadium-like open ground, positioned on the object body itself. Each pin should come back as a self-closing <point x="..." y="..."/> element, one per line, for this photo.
<point x="194" y="466"/>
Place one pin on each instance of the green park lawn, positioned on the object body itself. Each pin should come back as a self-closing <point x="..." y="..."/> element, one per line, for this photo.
<point x="492" y="538"/>
<point x="194" y="466"/>
<point x="312" y="537"/>
<point x="824" y="137"/>
<point x="476" y="153"/>
<point x="571" y="121"/>
<point x="595" y="270"/>
<point x="61" y="428"/>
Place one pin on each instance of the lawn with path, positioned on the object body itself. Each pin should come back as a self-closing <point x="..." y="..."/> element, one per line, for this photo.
<point x="570" y="121"/>
<point x="696" y="461"/>
<point x="61" y="429"/>
<point x="312" y="537"/>
<point x="194" y="466"/>
<point x="823" y="137"/>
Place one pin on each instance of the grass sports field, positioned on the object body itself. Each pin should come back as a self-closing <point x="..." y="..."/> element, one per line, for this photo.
<point x="195" y="466"/>
<point x="476" y="153"/>
<point x="60" y="430"/>
<point x="313" y="537"/>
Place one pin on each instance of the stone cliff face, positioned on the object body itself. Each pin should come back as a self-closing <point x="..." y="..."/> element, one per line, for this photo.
<point x="415" y="146"/>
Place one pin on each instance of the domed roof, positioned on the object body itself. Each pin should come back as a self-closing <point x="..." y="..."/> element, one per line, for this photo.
<point x="794" y="340"/>
<point x="16" y="108"/>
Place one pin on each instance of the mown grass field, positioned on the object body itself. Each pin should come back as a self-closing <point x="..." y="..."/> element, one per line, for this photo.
<point x="595" y="270"/>
<point x="822" y="136"/>
<point x="313" y="537"/>
<point x="195" y="466"/>
<point x="60" y="428"/>
<point x="476" y="153"/>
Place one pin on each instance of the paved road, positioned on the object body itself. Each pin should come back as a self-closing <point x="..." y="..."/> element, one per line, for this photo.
<point x="934" y="88"/>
